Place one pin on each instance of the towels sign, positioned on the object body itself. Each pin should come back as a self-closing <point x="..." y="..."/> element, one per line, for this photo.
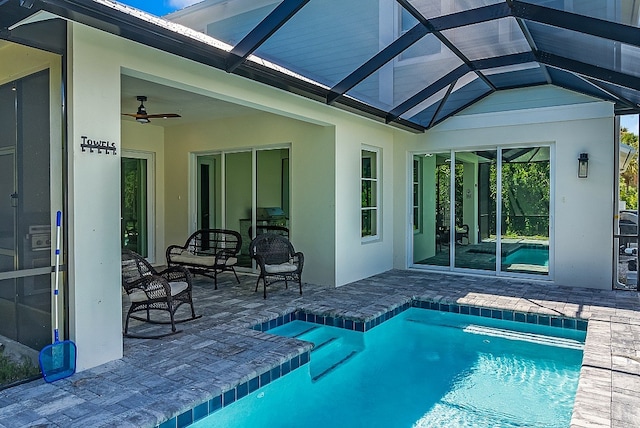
<point x="99" y="145"/>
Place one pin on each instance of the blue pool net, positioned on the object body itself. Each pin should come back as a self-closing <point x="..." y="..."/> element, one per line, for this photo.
<point x="58" y="360"/>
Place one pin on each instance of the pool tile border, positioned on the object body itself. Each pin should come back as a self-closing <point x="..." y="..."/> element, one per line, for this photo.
<point x="230" y="396"/>
<point x="366" y="325"/>
<point x="505" y="314"/>
<point x="243" y="389"/>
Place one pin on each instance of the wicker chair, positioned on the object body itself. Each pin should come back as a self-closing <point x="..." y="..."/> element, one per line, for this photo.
<point x="150" y="290"/>
<point x="208" y="252"/>
<point x="277" y="260"/>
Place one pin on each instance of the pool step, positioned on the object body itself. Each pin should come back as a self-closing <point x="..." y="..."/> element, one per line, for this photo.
<point x="321" y="373"/>
<point x="526" y="337"/>
<point x="328" y="355"/>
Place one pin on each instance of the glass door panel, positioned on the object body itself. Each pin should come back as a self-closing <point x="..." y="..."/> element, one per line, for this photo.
<point x="209" y="192"/>
<point x="238" y="199"/>
<point x="475" y="210"/>
<point x="8" y="255"/>
<point x="134" y="205"/>
<point x="272" y="185"/>
<point x="431" y="209"/>
<point x="526" y="186"/>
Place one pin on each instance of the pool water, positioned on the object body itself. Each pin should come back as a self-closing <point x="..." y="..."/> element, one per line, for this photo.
<point x="422" y="368"/>
<point x="528" y="256"/>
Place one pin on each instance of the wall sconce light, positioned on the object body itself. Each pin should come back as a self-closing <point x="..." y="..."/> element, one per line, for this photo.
<point x="583" y="165"/>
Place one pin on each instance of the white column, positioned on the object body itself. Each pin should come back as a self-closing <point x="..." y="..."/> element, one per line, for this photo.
<point x="93" y="217"/>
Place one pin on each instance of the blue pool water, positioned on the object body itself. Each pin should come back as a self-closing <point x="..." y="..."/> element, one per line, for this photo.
<point x="422" y="368"/>
<point x="528" y="256"/>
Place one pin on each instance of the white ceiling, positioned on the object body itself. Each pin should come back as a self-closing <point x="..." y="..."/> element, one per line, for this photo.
<point x="191" y="106"/>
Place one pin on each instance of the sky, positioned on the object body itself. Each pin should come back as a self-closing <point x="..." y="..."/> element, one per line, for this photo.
<point x="630" y="122"/>
<point x="159" y="7"/>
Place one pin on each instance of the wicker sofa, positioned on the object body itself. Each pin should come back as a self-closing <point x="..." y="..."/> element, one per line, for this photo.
<point x="208" y="252"/>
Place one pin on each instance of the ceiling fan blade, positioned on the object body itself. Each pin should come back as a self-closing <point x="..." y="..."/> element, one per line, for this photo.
<point x="155" y="116"/>
<point x="151" y="116"/>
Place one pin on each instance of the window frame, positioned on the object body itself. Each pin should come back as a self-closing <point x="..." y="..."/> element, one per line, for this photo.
<point x="375" y="180"/>
<point x="417" y="197"/>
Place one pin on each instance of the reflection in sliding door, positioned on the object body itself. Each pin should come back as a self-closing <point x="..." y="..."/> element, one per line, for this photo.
<point x="525" y="210"/>
<point x="238" y="198"/>
<point x="134" y="205"/>
<point x="431" y="208"/>
<point x="475" y="210"/>
<point x="272" y="190"/>
<point x="209" y="192"/>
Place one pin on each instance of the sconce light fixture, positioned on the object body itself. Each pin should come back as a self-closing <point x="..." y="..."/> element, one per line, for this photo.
<point x="583" y="165"/>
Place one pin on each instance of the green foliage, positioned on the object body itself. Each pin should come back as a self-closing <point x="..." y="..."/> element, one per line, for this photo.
<point x="525" y="198"/>
<point x="629" y="178"/>
<point x="13" y="371"/>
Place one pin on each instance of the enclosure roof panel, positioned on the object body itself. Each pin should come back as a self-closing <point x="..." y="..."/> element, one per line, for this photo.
<point x="410" y="63"/>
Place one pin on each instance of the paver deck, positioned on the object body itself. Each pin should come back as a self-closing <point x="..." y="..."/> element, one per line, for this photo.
<point x="160" y="379"/>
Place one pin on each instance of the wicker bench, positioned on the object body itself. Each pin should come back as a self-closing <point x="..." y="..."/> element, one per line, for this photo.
<point x="208" y="252"/>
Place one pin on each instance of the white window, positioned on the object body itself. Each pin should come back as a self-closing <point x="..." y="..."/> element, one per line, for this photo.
<point x="370" y="193"/>
<point x="417" y="194"/>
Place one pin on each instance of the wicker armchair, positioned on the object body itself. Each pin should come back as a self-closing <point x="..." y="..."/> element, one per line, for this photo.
<point x="277" y="260"/>
<point x="150" y="290"/>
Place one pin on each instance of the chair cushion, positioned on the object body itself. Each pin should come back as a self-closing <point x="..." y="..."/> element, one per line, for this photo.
<point x="281" y="268"/>
<point x="189" y="258"/>
<point x="176" y="288"/>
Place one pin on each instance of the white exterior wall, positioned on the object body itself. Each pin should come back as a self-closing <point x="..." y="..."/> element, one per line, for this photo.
<point x="94" y="201"/>
<point x="356" y="259"/>
<point x="581" y="230"/>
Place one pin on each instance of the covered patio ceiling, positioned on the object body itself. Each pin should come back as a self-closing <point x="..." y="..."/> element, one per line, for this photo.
<point x="411" y="63"/>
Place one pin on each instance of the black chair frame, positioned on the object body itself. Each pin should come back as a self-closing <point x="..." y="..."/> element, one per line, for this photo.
<point x="277" y="260"/>
<point x="153" y="290"/>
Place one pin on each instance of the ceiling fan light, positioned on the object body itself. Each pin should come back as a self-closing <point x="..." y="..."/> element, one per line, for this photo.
<point x="142" y="120"/>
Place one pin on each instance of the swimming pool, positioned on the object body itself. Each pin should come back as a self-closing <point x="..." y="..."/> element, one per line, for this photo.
<point x="537" y="256"/>
<point x="422" y="368"/>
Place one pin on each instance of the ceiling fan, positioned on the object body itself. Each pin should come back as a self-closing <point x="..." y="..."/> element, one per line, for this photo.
<point x="142" y="117"/>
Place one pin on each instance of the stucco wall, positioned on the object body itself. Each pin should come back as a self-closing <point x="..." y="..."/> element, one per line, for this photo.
<point x="94" y="200"/>
<point x="357" y="259"/>
<point x="582" y="209"/>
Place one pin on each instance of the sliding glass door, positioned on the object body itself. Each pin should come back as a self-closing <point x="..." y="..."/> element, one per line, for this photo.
<point x="243" y="191"/>
<point x="458" y="197"/>
<point x="526" y="188"/>
<point x="431" y="190"/>
<point x="475" y="240"/>
<point x="238" y="198"/>
<point x="137" y="210"/>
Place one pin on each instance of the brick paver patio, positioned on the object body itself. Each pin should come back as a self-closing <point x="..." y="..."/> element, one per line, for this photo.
<point x="160" y="379"/>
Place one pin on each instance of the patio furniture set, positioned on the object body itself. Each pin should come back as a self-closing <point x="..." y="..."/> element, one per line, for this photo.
<point x="207" y="252"/>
